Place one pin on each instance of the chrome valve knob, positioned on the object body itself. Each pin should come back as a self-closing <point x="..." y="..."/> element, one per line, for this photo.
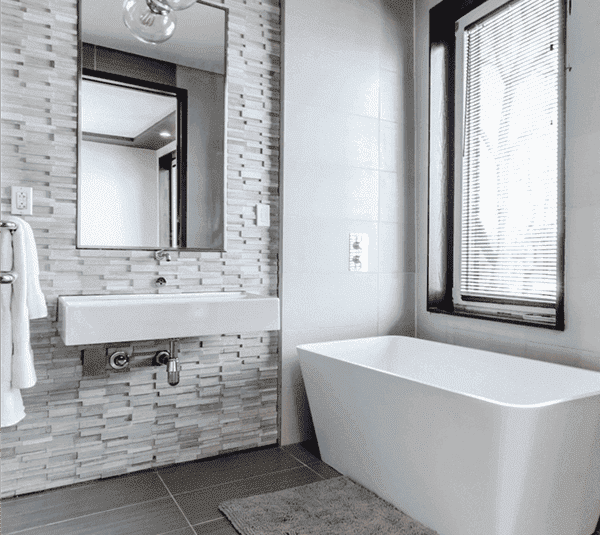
<point x="119" y="360"/>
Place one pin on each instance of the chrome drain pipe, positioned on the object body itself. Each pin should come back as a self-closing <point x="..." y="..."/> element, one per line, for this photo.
<point x="171" y="361"/>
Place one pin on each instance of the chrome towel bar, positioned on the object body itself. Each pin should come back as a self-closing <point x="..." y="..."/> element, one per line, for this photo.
<point x="7" y="277"/>
<point x="8" y="225"/>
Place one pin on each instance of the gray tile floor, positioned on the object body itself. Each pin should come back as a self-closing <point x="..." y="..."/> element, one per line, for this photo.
<point x="181" y="499"/>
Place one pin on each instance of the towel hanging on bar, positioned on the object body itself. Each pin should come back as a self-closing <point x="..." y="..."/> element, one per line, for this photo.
<point x="21" y="301"/>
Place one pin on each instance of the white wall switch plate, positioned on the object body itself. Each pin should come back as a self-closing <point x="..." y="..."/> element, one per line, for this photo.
<point x="263" y="215"/>
<point x="21" y="200"/>
<point x="358" y="252"/>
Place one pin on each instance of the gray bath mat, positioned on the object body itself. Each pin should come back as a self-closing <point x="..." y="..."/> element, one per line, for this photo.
<point x="335" y="506"/>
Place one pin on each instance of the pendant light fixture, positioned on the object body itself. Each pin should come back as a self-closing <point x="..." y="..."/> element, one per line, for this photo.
<point x="148" y="21"/>
<point x="152" y="21"/>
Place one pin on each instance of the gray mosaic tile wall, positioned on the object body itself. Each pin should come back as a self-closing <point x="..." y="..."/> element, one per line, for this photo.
<point x="80" y="428"/>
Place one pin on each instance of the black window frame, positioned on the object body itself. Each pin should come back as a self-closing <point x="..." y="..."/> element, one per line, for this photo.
<point x="443" y="19"/>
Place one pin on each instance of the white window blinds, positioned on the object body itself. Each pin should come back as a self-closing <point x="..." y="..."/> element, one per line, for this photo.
<point x="510" y="155"/>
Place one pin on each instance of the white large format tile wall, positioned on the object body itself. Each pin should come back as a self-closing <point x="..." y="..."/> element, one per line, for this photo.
<point x="347" y="153"/>
<point x="579" y="343"/>
<point x="80" y="428"/>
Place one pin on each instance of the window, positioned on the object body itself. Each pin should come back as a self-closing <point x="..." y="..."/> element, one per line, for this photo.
<point x="496" y="152"/>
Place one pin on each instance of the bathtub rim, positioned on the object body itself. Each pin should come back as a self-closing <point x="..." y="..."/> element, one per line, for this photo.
<point x="310" y="348"/>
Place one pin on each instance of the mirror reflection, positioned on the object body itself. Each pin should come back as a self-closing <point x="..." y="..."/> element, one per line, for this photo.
<point x="152" y="130"/>
<point x="129" y="161"/>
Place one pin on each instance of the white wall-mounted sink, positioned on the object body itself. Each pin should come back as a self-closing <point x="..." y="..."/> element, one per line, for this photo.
<point x="97" y="319"/>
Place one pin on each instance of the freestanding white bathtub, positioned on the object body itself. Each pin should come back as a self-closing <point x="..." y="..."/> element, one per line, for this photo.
<point x="467" y="442"/>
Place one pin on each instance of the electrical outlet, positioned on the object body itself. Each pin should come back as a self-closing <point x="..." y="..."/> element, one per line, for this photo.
<point x="21" y="200"/>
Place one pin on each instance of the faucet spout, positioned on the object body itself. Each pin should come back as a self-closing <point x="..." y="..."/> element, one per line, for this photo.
<point x="162" y="255"/>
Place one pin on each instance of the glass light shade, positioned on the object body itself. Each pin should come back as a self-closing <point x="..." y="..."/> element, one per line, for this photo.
<point x="176" y="5"/>
<point x="148" y="21"/>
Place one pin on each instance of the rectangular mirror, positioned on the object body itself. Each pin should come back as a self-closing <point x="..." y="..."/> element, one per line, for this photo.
<point x="151" y="158"/>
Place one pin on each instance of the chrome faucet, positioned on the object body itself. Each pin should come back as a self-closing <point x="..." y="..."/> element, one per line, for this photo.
<point x="162" y="255"/>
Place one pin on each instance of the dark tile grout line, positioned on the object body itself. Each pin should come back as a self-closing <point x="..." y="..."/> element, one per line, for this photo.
<point x="175" y="501"/>
<point x="85" y="516"/>
<point x="244" y="478"/>
<point x="239" y="480"/>
<point x="204" y="522"/>
<point x="306" y="465"/>
<point x="72" y="486"/>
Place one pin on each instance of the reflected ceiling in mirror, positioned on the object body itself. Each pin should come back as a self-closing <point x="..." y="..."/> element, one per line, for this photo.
<point x="198" y="41"/>
<point x="125" y="109"/>
<point x="142" y="119"/>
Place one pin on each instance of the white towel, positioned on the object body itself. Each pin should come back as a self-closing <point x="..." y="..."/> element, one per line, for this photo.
<point x="11" y="402"/>
<point x="20" y="301"/>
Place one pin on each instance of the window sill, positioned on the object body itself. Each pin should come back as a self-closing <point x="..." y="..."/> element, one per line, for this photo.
<point x="559" y="326"/>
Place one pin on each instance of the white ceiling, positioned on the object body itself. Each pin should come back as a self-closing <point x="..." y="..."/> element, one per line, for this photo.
<point x="198" y="41"/>
<point x="134" y="114"/>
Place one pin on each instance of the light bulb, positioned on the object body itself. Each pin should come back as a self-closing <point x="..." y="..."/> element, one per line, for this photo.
<point x="148" y="21"/>
<point x="176" y="5"/>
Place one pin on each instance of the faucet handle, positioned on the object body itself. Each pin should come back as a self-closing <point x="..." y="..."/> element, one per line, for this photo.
<point x="162" y="357"/>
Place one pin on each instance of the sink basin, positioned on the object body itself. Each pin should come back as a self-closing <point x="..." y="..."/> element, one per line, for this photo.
<point x="97" y="319"/>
